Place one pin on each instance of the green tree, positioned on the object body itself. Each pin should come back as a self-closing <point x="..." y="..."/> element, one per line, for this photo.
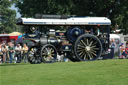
<point x="116" y="10"/>
<point x="7" y="17"/>
<point x="28" y="8"/>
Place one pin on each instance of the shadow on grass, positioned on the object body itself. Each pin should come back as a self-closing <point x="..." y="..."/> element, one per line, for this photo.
<point x="13" y="64"/>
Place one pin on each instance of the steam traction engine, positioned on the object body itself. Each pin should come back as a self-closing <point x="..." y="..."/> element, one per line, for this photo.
<point x="78" y="38"/>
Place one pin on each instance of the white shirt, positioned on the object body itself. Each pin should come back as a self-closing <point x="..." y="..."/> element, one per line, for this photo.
<point x="18" y="48"/>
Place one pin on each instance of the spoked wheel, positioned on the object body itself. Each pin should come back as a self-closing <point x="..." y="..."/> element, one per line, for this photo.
<point x="34" y="55"/>
<point x="87" y="47"/>
<point x="49" y="53"/>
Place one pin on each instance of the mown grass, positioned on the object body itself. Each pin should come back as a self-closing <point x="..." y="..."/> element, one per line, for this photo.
<point x="103" y="72"/>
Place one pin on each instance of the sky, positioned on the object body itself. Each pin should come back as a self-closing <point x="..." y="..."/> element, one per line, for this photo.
<point x="17" y="13"/>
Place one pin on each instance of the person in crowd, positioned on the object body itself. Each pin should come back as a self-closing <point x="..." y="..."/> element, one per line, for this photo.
<point x="4" y="50"/>
<point x="11" y="51"/>
<point x="1" y="54"/>
<point x="113" y="46"/>
<point x="25" y="50"/>
<point x="119" y="53"/>
<point x="7" y="53"/>
<point x="126" y="50"/>
<point x="18" y="50"/>
<point x="122" y="48"/>
<point x="13" y="55"/>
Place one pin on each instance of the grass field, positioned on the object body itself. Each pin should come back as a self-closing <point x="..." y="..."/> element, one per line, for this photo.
<point x="103" y="72"/>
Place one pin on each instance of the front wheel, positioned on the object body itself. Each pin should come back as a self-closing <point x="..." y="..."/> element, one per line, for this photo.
<point x="34" y="55"/>
<point x="49" y="53"/>
<point x="87" y="47"/>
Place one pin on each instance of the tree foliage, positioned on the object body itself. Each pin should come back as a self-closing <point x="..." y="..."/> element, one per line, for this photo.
<point x="7" y="17"/>
<point x="116" y="10"/>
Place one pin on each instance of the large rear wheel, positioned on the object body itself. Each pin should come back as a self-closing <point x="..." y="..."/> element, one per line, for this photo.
<point x="87" y="47"/>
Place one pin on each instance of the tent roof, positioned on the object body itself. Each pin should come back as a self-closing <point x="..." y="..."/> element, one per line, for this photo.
<point x="15" y="34"/>
<point x="115" y="36"/>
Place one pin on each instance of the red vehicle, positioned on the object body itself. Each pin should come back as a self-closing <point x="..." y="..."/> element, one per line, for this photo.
<point x="5" y="38"/>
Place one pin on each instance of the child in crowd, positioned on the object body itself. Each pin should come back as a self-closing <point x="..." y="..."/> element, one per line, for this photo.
<point x="122" y="48"/>
<point x="126" y="50"/>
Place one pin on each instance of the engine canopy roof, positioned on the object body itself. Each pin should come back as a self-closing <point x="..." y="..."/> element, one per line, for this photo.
<point x="68" y="21"/>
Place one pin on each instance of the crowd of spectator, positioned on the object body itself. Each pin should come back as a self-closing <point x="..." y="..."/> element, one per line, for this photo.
<point x="123" y="49"/>
<point x="13" y="53"/>
<point x="16" y="53"/>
